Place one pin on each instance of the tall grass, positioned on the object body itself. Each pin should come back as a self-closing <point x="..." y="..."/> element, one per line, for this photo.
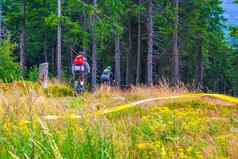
<point x="36" y="125"/>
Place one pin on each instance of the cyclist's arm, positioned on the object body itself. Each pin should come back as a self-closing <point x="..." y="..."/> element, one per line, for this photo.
<point x="87" y="67"/>
<point x="72" y="69"/>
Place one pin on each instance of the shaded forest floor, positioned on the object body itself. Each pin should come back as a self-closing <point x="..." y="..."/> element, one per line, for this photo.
<point x="37" y="123"/>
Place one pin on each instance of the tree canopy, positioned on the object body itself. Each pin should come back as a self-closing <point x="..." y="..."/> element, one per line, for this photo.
<point x="180" y="41"/>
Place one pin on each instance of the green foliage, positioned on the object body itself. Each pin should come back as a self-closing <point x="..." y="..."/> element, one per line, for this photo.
<point x="52" y="20"/>
<point x="32" y="74"/>
<point x="59" y="91"/>
<point x="9" y="69"/>
<point x="234" y="32"/>
<point x="200" y="27"/>
<point x="77" y="102"/>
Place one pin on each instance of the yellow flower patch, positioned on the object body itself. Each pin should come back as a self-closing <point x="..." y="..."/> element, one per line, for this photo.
<point x="145" y="146"/>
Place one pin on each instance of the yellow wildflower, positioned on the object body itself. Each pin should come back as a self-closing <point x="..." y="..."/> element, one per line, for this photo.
<point x="1" y="109"/>
<point x="23" y="123"/>
<point x="7" y="125"/>
<point x="190" y="149"/>
<point x="74" y="116"/>
<point x="23" y="126"/>
<point x="163" y="109"/>
<point x="145" y="146"/>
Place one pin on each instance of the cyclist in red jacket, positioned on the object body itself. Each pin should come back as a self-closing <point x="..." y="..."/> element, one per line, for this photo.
<point x="80" y="69"/>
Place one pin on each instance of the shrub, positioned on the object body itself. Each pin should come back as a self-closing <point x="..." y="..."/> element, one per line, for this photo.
<point x="76" y="102"/>
<point x="32" y="74"/>
<point x="59" y="91"/>
<point x="9" y="69"/>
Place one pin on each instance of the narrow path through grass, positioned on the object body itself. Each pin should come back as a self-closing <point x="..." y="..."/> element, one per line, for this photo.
<point x="217" y="99"/>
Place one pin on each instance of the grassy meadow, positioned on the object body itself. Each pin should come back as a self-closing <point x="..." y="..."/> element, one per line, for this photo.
<point x="53" y="123"/>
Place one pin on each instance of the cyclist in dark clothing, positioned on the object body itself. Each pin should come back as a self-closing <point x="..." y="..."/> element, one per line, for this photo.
<point x="106" y="77"/>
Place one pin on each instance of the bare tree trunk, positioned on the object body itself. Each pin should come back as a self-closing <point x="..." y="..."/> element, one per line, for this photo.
<point x="200" y="66"/>
<point x="117" y="60"/>
<point x="85" y="51"/>
<point x="59" y="71"/>
<point x="23" y="39"/>
<point x="45" y="39"/>
<point x="45" y="48"/>
<point x="176" y="56"/>
<point x="128" y="55"/>
<point x="71" y="60"/>
<point x="22" y="49"/>
<point x="138" y="61"/>
<point x="150" y="45"/>
<point x="85" y="28"/>
<point x="53" y="59"/>
<point x="94" y="52"/>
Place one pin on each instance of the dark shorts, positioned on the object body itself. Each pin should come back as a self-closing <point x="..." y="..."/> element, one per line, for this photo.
<point x="105" y="78"/>
<point x="78" y="75"/>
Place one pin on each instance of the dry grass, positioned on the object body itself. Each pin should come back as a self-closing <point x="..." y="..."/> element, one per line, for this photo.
<point x="108" y="97"/>
<point x="36" y="125"/>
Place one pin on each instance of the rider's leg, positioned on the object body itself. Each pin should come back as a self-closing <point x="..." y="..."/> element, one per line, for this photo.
<point x="76" y="77"/>
<point x="82" y="77"/>
<point x="75" y="84"/>
<point x="82" y="81"/>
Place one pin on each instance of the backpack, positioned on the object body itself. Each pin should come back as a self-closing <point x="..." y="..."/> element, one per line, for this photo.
<point x="79" y="60"/>
<point x="106" y="72"/>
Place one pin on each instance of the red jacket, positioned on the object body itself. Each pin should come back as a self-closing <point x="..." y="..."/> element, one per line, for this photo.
<point x="79" y="60"/>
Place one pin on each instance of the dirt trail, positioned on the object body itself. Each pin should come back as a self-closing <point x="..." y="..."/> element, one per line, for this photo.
<point x="218" y="101"/>
<point x="210" y="98"/>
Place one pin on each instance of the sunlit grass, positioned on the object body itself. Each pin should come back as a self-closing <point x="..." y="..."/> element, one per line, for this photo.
<point x="112" y="124"/>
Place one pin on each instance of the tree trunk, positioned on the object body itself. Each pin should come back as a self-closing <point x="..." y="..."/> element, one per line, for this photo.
<point x="199" y="66"/>
<point x="23" y="39"/>
<point x="85" y="28"/>
<point x="70" y="59"/>
<point x="117" y="60"/>
<point x="176" y="56"/>
<point x="53" y="59"/>
<point x="128" y="55"/>
<point x="138" y="61"/>
<point x="150" y="45"/>
<point x="94" y="52"/>
<point x="59" y="71"/>
<point x="45" y="48"/>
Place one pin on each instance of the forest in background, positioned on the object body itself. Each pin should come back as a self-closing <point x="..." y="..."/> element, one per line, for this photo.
<point x="145" y="41"/>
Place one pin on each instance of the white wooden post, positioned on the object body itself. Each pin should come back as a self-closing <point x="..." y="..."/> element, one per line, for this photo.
<point x="43" y="74"/>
